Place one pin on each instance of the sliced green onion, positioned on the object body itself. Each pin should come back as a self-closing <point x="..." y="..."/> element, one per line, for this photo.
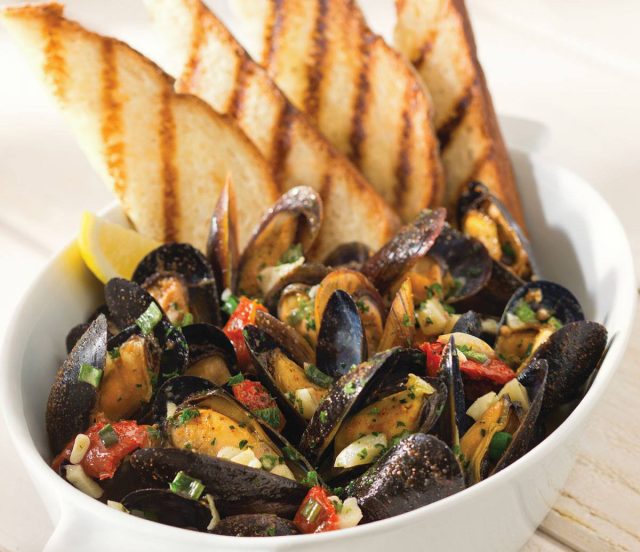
<point x="499" y="443"/>
<point x="90" y="375"/>
<point x="235" y="380"/>
<point x="187" y="320"/>
<point x="473" y="355"/>
<point x="555" y="323"/>
<point x="449" y="308"/>
<point x="269" y="415"/>
<point x="292" y="254"/>
<point x="317" y="376"/>
<point x="149" y="318"/>
<point x="268" y="461"/>
<point x="230" y="302"/>
<point x="311" y="510"/>
<point x="187" y="486"/>
<point x="525" y="313"/>
<point x="108" y="436"/>
<point x="310" y="479"/>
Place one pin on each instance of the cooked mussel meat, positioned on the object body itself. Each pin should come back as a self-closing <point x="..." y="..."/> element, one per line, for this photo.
<point x="211" y="354"/>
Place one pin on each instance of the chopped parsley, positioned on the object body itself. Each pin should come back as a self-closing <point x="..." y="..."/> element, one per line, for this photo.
<point x="525" y="313"/>
<point x="374" y="411"/>
<point x="268" y="461"/>
<point x="292" y="254"/>
<point x="406" y="320"/>
<point x="269" y="415"/>
<point x="350" y="388"/>
<point x="363" y="453"/>
<point x="449" y="308"/>
<point x="310" y="479"/>
<point x="154" y="433"/>
<point x="508" y="251"/>
<point x="243" y="444"/>
<point x="318" y="376"/>
<point x="186" y="415"/>
<point x="235" y="380"/>
<point x="362" y="306"/>
<point x="323" y="416"/>
<point x="114" y="353"/>
<point x="270" y="532"/>
<point x="434" y="290"/>
<point x="555" y="323"/>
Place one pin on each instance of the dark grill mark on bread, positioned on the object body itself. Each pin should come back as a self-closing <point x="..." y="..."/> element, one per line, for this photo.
<point x="282" y="142"/>
<point x="362" y="101"/>
<point x="447" y="129"/>
<point x="196" y="42"/>
<point x="167" y="133"/>
<point x="111" y="127"/>
<point x="55" y="64"/>
<point x="318" y="50"/>
<point x="403" y="168"/>
<point x="272" y="34"/>
<point x="240" y="85"/>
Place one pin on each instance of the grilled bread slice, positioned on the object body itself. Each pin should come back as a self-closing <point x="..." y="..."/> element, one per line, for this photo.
<point x="216" y="68"/>
<point x="165" y="155"/>
<point x="363" y="95"/>
<point x="436" y="36"/>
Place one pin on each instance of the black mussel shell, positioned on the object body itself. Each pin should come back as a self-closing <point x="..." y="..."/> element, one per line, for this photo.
<point x="308" y="274"/>
<point x="126" y="301"/>
<point x="469" y="323"/>
<point x="412" y="242"/>
<point x="236" y="489"/>
<point x="191" y="266"/>
<point x="417" y="471"/>
<point x="454" y="420"/>
<point x="345" y="397"/>
<point x="556" y="299"/>
<point x="342" y="343"/>
<point x="205" y="340"/>
<point x="126" y="480"/>
<point x="255" y="525"/>
<point x="71" y="401"/>
<point x="534" y="380"/>
<point x="176" y="390"/>
<point x="294" y="219"/>
<point x="74" y="334"/>
<point x="351" y="255"/>
<point x="494" y="296"/>
<point x="466" y="259"/>
<point x="166" y="507"/>
<point x="572" y="352"/>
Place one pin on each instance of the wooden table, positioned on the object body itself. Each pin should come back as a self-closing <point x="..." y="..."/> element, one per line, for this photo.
<point x="573" y="67"/>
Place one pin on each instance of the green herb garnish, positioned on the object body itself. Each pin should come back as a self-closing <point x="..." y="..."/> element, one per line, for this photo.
<point x="114" y="353"/>
<point x="269" y="415"/>
<point x="187" y="486"/>
<point x="149" y="318"/>
<point x="525" y="313"/>
<point x="90" y="375"/>
<point x="235" y="380"/>
<point x="186" y="415"/>
<point x="230" y="304"/>
<point x="292" y="254"/>
<point x="318" y="376"/>
<point x="242" y="444"/>
<point x="350" y="388"/>
<point x="499" y="443"/>
<point x="323" y="416"/>
<point x="108" y="436"/>
<point x="473" y="355"/>
<point x="310" y="479"/>
<point x="268" y="461"/>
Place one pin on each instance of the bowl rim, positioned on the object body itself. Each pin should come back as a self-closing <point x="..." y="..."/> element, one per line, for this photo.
<point x="70" y="499"/>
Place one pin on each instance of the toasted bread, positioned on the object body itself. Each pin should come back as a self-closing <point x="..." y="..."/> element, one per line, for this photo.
<point x="215" y="67"/>
<point x="363" y="95"/>
<point x="436" y="36"/>
<point x="165" y="155"/>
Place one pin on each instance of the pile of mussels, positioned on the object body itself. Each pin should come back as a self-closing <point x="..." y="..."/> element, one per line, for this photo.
<point x="261" y="394"/>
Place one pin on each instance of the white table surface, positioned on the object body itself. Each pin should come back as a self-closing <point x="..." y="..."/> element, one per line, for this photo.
<point x="573" y="66"/>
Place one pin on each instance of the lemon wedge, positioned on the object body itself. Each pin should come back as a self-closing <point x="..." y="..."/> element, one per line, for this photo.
<point x="111" y="250"/>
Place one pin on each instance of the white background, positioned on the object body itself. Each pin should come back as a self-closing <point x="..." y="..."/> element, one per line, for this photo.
<point x="569" y="69"/>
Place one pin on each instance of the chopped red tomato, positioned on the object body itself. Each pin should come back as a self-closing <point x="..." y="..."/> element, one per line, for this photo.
<point x="317" y="513"/>
<point x="493" y="370"/>
<point x="244" y="314"/>
<point x="253" y="395"/>
<point x="100" y="461"/>
<point x="257" y="399"/>
<point x="434" y="355"/>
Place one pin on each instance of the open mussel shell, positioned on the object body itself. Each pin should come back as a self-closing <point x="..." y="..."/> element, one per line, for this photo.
<point x="288" y="339"/>
<point x="211" y="355"/>
<point x="417" y="471"/>
<point x="185" y="263"/>
<point x="542" y="294"/>
<point x="294" y="219"/>
<point x="266" y="353"/>
<point x="308" y="274"/>
<point x="351" y="255"/>
<point x="222" y="242"/>
<point x="495" y="295"/>
<point x="412" y="242"/>
<point x="126" y="302"/>
<point x="534" y="380"/>
<point x="176" y="391"/>
<point x="477" y="200"/>
<point x="166" y="507"/>
<point x="236" y="489"/>
<point x="454" y="420"/>
<point x="347" y="395"/>
<point x="572" y="352"/>
<point x="342" y="343"/>
<point x="466" y="259"/>
<point x="255" y="525"/>
<point x="71" y="401"/>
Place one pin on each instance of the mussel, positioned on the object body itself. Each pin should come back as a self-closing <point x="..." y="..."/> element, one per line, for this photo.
<point x="211" y="354"/>
<point x="181" y="280"/>
<point x="255" y="525"/>
<point x="222" y="242"/>
<point x="417" y="471"/>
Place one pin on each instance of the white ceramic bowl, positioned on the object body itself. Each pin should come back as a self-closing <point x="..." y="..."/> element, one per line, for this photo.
<point x="579" y="243"/>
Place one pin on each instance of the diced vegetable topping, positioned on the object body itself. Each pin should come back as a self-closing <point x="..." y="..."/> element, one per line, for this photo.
<point x="186" y="486"/>
<point x="80" y="480"/>
<point x="244" y="314"/>
<point x="108" y="436"/>
<point x="317" y="376"/>
<point x="362" y="451"/>
<point x="90" y="375"/>
<point x="499" y="444"/>
<point x="317" y="513"/>
<point x="149" y="318"/>
<point x="257" y="399"/>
